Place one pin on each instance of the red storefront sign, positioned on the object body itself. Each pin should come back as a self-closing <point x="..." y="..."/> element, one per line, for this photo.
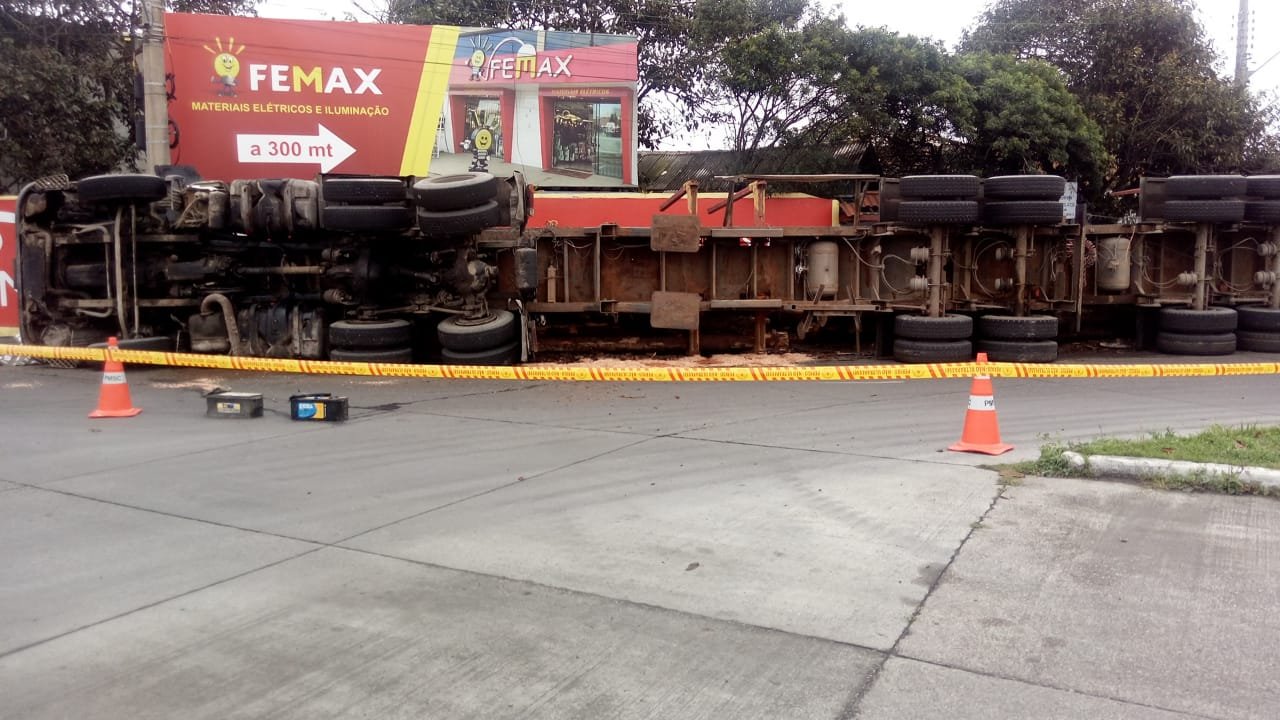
<point x="254" y="97"/>
<point x="8" y="267"/>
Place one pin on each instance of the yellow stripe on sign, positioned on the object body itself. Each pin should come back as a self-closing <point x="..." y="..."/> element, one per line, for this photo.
<point x="429" y="104"/>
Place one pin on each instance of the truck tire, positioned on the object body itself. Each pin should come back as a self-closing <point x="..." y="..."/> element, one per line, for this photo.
<point x="1207" y="211"/>
<point x="455" y="192"/>
<point x="458" y="335"/>
<point x="1263" y="186"/>
<point x="919" y="327"/>
<point x="1256" y="341"/>
<point x="938" y="212"/>
<point x="400" y="355"/>
<point x="1025" y="351"/>
<point x="366" y="218"/>
<point x="1260" y="319"/>
<point x="924" y="351"/>
<point x="1198" y="322"/>
<point x="508" y="354"/>
<point x="1208" y="187"/>
<point x="1009" y="327"/>
<point x="1023" y="212"/>
<point x="370" y="334"/>
<point x="917" y="187"/>
<point x="364" y="191"/>
<point x="459" y="222"/>
<point x="121" y="188"/>
<point x="1262" y="211"/>
<point x="1184" y="344"/>
<point x="1024" y="187"/>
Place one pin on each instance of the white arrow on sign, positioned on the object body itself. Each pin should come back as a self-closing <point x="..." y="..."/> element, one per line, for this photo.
<point x="324" y="148"/>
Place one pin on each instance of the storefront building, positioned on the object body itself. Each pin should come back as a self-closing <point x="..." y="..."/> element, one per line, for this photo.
<point x="560" y="102"/>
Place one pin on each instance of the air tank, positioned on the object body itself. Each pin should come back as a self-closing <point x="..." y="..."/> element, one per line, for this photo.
<point x="1114" y="264"/>
<point x="823" y="277"/>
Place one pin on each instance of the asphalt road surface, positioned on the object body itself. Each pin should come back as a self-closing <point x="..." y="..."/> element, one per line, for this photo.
<point x="492" y="550"/>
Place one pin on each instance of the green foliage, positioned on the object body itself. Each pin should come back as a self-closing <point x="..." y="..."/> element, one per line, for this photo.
<point x="1143" y="70"/>
<point x="1246" y="446"/>
<point x="68" y="104"/>
<point x="774" y="81"/>
<point x="1051" y="463"/>
<point x="1249" y="445"/>
<point x="903" y="96"/>
<point x="1026" y="121"/>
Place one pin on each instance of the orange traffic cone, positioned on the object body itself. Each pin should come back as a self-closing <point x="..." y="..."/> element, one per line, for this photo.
<point x="981" y="428"/>
<point x="113" y="400"/>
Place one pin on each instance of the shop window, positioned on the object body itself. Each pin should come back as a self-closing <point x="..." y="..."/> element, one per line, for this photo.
<point x="587" y="138"/>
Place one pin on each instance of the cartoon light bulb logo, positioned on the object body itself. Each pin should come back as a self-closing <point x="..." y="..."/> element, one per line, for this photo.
<point x="477" y="64"/>
<point x="226" y="66"/>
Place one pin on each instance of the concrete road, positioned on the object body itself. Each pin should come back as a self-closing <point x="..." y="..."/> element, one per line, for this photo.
<point x="493" y="550"/>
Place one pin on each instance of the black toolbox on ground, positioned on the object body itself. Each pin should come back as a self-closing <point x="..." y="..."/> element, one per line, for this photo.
<point x="226" y="404"/>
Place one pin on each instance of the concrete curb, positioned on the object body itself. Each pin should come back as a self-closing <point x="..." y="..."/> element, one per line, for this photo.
<point x="1140" y="468"/>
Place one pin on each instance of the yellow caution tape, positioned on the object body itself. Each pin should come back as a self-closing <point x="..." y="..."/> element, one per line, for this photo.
<point x="832" y="373"/>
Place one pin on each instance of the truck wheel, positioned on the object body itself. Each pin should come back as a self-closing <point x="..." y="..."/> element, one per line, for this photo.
<point x="1184" y="344"/>
<point x="922" y="351"/>
<point x="460" y="335"/>
<point x="938" y="212"/>
<point x="1198" y="322"/>
<point x="939" y="186"/>
<point x="1262" y="211"/>
<point x="366" y="218"/>
<point x="1024" y="187"/>
<point x="400" y="355"/>
<point x="121" y="188"/>
<point x="1263" y="186"/>
<point x="508" y="354"/>
<point x="1254" y="341"/>
<point x="1205" y="186"/>
<point x="1207" y="211"/>
<point x="455" y="192"/>
<point x="364" y="191"/>
<point x="1009" y="327"/>
<point x="459" y="222"/>
<point x="1027" y="351"/>
<point x="1023" y="212"/>
<point x="1262" y="319"/>
<point x="919" y="327"/>
<point x="369" y="334"/>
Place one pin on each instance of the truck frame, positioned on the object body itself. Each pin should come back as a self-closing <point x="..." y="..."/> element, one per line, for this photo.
<point x="474" y="269"/>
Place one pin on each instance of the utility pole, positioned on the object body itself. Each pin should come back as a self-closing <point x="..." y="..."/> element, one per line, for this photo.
<point x="155" y="98"/>
<point x="1242" y="45"/>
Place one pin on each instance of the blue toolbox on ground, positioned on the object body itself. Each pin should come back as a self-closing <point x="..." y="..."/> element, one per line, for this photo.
<point x="318" y="406"/>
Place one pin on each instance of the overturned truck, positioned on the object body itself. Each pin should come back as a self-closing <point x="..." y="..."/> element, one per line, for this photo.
<point x="461" y="269"/>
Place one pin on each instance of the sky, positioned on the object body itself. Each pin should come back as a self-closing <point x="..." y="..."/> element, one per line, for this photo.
<point x="943" y="20"/>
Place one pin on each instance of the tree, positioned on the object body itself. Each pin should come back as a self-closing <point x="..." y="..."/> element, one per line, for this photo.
<point x="679" y="41"/>
<point x="772" y="83"/>
<point x="68" y="103"/>
<point x="901" y="95"/>
<point x="1144" y="71"/>
<point x="1026" y="121"/>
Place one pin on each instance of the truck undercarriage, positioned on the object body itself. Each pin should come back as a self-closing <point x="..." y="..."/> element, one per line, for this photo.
<point x="460" y="269"/>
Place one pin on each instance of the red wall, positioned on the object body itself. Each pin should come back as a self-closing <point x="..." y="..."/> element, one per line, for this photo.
<point x="638" y="209"/>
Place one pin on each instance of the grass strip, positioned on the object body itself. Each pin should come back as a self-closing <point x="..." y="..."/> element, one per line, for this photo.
<point x="1242" y="446"/>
